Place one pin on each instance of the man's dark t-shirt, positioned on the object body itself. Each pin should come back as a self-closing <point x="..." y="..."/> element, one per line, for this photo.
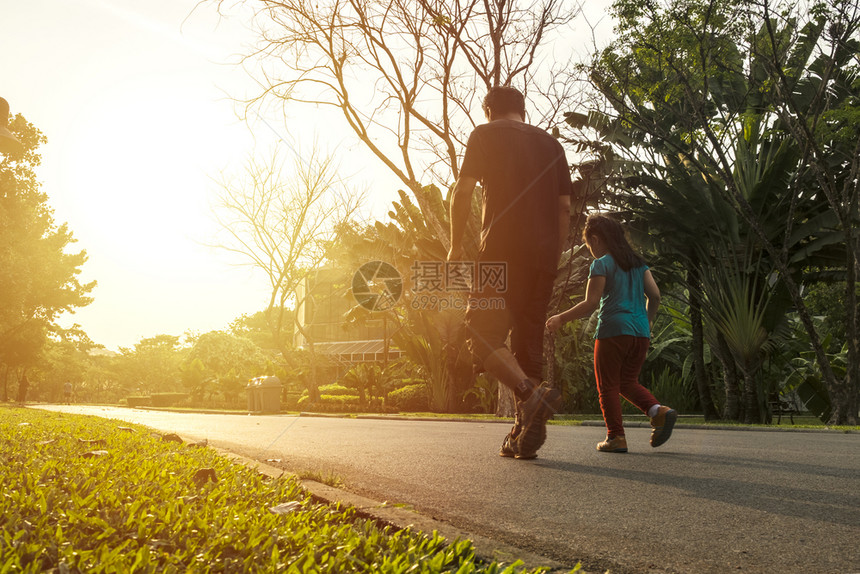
<point x="523" y="171"/>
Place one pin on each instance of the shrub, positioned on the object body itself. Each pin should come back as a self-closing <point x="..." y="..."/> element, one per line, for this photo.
<point x="346" y="408"/>
<point x="135" y="402"/>
<point x="331" y="400"/>
<point x="335" y="390"/>
<point x="168" y="399"/>
<point x="291" y="400"/>
<point x="410" y="398"/>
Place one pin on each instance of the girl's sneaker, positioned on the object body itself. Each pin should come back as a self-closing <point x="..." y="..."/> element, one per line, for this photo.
<point x="662" y="425"/>
<point x="617" y="444"/>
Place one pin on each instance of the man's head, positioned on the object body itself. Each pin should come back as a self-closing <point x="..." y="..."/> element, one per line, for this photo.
<point x="503" y="101"/>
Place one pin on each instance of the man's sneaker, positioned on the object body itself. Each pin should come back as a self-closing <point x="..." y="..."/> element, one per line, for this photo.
<point x="617" y="444"/>
<point x="509" y="449"/>
<point x="662" y="425"/>
<point x="509" y="445"/>
<point x="536" y="410"/>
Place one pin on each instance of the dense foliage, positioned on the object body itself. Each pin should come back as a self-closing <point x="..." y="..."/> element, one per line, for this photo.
<point x="39" y="274"/>
<point x="723" y="138"/>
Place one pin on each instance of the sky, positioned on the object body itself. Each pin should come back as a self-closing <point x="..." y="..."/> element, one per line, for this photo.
<point x="137" y="102"/>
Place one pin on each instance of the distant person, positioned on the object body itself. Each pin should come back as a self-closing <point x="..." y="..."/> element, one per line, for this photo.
<point x="23" y="385"/>
<point x="67" y="393"/>
<point x="525" y="185"/>
<point x="622" y="289"/>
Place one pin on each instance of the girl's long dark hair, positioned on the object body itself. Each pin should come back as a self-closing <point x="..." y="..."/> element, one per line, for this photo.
<point x="612" y="234"/>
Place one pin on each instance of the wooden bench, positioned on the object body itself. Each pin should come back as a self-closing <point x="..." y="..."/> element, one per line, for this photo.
<point x="779" y="406"/>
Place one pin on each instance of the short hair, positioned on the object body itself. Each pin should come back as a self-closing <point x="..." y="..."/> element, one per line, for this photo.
<point x="502" y="100"/>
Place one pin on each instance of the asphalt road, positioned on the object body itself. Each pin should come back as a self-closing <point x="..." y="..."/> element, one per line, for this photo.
<point x="709" y="501"/>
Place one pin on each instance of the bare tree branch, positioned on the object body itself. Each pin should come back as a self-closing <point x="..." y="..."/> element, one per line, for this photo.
<point x="404" y="74"/>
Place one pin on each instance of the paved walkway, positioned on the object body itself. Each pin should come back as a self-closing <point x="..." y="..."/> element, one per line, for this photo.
<point x="706" y="502"/>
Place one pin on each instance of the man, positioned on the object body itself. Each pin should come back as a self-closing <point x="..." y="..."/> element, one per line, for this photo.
<point x="23" y="385"/>
<point x="526" y="188"/>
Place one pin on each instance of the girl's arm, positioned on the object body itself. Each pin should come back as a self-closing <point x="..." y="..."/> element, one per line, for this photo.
<point x="593" y="293"/>
<point x="652" y="293"/>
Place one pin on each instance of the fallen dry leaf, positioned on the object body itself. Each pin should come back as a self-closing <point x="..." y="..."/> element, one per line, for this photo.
<point x="286" y="508"/>
<point x="204" y="475"/>
<point x="95" y="454"/>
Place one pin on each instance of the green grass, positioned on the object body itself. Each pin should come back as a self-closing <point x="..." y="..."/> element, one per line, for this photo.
<point x="327" y="478"/>
<point x="141" y="504"/>
<point x="800" y="422"/>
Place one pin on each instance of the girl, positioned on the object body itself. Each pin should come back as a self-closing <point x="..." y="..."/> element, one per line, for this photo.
<point x="623" y="290"/>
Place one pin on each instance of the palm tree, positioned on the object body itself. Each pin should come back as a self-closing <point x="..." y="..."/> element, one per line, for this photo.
<point x="717" y="87"/>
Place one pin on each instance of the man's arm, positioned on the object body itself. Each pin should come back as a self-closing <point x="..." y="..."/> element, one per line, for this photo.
<point x="563" y="223"/>
<point x="461" y="207"/>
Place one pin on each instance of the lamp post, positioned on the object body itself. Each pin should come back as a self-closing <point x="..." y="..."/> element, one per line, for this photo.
<point x="8" y="142"/>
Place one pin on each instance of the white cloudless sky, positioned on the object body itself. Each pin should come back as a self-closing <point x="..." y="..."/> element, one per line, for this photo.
<point x="135" y="99"/>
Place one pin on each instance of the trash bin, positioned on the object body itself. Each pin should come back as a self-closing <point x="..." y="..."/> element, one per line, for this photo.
<point x="258" y="398"/>
<point x="253" y="390"/>
<point x="270" y="394"/>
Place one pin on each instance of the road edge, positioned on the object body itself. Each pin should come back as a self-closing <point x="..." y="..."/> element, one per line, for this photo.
<point x="402" y="518"/>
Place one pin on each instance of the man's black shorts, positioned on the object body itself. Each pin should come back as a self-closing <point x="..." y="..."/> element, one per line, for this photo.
<point x="519" y="311"/>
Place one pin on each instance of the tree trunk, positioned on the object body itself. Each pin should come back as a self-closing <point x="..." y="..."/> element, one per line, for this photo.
<point x="751" y="415"/>
<point x="313" y="387"/>
<point x="452" y="380"/>
<point x="703" y="384"/>
<point x="732" y="408"/>
<point x="507" y="405"/>
<point x="845" y="400"/>
<point x="752" y="399"/>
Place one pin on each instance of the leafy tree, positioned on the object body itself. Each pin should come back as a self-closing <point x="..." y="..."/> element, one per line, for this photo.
<point x="722" y="91"/>
<point x="369" y="380"/>
<point x="152" y="366"/>
<point x="103" y="379"/>
<point x="226" y="360"/>
<point x="256" y="328"/>
<point x="64" y="357"/>
<point x="22" y="351"/>
<point x="819" y="104"/>
<point x="38" y="273"/>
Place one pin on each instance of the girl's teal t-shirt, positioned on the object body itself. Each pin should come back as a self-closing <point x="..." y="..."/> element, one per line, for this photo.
<point x="622" y="307"/>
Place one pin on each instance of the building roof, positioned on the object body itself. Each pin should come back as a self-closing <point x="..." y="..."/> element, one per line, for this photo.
<point x="357" y="351"/>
